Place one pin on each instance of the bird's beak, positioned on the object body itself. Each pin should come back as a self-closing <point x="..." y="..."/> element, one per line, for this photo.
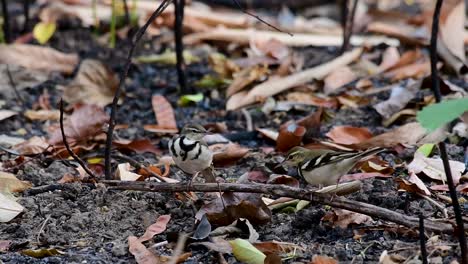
<point x="281" y="164"/>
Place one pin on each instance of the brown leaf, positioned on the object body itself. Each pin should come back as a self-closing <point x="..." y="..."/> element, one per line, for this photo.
<point x="415" y="70"/>
<point x="42" y="115"/>
<point x="227" y="154"/>
<point x="337" y="78"/>
<point x="95" y="83"/>
<point x="140" y="252"/>
<point x="407" y="58"/>
<point x="348" y="135"/>
<point x="284" y="179"/>
<point x="85" y="122"/>
<point x="156" y="228"/>
<point x="413" y="185"/>
<point x="165" y="116"/>
<point x="404" y="32"/>
<point x="137" y="145"/>
<point x="390" y="58"/>
<point x="32" y="146"/>
<point x="308" y="98"/>
<point x="9" y="183"/>
<point x="246" y="77"/>
<point x="271" y="47"/>
<point x="235" y="206"/>
<point x="290" y="135"/>
<point x="317" y="259"/>
<point x="376" y="164"/>
<point x="343" y="218"/>
<point x="38" y="58"/>
<point x="434" y="168"/>
<point x="452" y="27"/>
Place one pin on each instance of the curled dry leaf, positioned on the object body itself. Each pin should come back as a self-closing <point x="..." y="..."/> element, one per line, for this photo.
<point x="95" y="83"/>
<point x="271" y="47"/>
<point x="434" y="168"/>
<point x="452" y="26"/>
<point x="140" y="252"/>
<point x="137" y="145"/>
<point x="338" y="78"/>
<point x="390" y="58"/>
<point x="343" y="218"/>
<point x="413" y="185"/>
<point x="124" y="174"/>
<point x="246" y="77"/>
<point x="157" y="228"/>
<point x="85" y="123"/>
<point x="9" y="183"/>
<point x="237" y="205"/>
<point x="283" y="179"/>
<point x="42" y="115"/>
<point x="308" y="98"/>
<point x="34" y="145"/>
<point x="399" y="98"/>
<point x="4" y="114"/>
<point x="290" y="135"/>
<point x="9" y="208"/>
<point x="164" y="114"/>
<point x="416" y="70"/>
<point x="349" y="135"/>
<point x="227" y="154"/>
<point x="38" y="58"/>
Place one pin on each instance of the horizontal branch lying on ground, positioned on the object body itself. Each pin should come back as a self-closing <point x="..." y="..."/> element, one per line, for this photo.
<point x="286" y="191"/>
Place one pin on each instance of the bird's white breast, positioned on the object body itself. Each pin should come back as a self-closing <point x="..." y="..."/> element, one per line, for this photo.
<point x="190" y="155"/>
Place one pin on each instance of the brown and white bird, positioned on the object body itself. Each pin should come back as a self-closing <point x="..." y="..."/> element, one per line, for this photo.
<point x="190" y="152"/>
<point x="324" y="166"/>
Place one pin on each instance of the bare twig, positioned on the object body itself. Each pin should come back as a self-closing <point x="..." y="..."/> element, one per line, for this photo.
<point x="179" y="247"/>
<point x="259" y="18"/>
<point x="459" y="231"/>
<point x="286" y="191"/>
<point x="6" y="22"/>
<point x="13" y="86"/>
<point x="42" y="229"/>
<point x="422" y="239"/>
<point x="179" y="45"/>
<point x="67" y="146"/>
<point x="26" y="15"/>
<point x="118" y="91"/>
<point x="248" y="119"/>
<point x="348" y="25"/>
<point x="344" y="22"/>
<point x="127" y="13"/>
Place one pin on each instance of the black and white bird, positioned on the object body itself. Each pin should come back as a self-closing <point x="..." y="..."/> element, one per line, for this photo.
<point x="190" y="152"/>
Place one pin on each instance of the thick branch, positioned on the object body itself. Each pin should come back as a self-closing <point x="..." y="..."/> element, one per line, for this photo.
<point x="286" y="191"/>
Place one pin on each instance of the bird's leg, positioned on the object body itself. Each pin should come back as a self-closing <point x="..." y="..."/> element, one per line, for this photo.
<point x="189" y="184"/>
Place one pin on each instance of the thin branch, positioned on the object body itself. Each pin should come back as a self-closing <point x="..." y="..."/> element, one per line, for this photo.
<point x="179" y="45"/>
<point x="259" y="18"/>
<point x="422" y="239"/>
<point x="459" y="231"/>
<point x="127" y="13"/>
<point x="6" y="22"/>
<point x="13" y="86"/>
<point x="348" y="26"/>
<point x="118" y="91"/>
<point x="286" y="191"/>
<point x="26" y="15"/>
<point x="344" y="21"/>
<point x="67" y="146"/>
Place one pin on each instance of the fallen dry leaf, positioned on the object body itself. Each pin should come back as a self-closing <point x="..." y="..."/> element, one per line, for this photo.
<point x="338" y="78"/>
<point x="271" y="47"/>
<point x="140" y="252"/>
<point x="137" y="145"/>
<point x="399" y="98"/>
<point x="290" y="135"/>
<point x="95" y="83"/>
<point x="79" y="126"/>
<point x="277" y="247"/>
<point x="227" y="154"/>
<point x="246" y="77"/>
<point x="317" y="259"/>
<point x="38" y="58"/>
<point x="164" y="114"/>
<point x="32" y="146"/>
<point x="452" y="26"/>
<point x="4" y="114"/>
<point x="390" y="58"/>
<point x="42" y="115"/>
<point x="434" y="168"/>
<point x="276" y="85"/>
<point x="124" y="174"/>
<point x="413" y="185"/>
<point x="416" y="70"/>
<point x="9" y="183"/>
<point x="343" y="218"/>
<point x="157" y="228"/>
<point x="9" y="208"/>
<point x="234" y="206"/>
<point x="349" y="135"/>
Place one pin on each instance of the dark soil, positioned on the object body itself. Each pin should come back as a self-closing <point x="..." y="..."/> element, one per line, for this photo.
<point x="90" y="224"/>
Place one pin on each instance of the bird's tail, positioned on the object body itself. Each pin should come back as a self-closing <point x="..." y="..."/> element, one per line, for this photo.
<point x="369" y="152"/>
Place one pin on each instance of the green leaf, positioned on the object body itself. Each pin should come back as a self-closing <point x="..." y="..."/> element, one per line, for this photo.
<point x="246" y="252"/>
<point x="42" y="31"/>
<point x="437" y="115"/>
<point x="426" y="149"/>
<point x="190" y="98"/>
<point x="168" y="58"/>
<point x="210" y="81"/>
